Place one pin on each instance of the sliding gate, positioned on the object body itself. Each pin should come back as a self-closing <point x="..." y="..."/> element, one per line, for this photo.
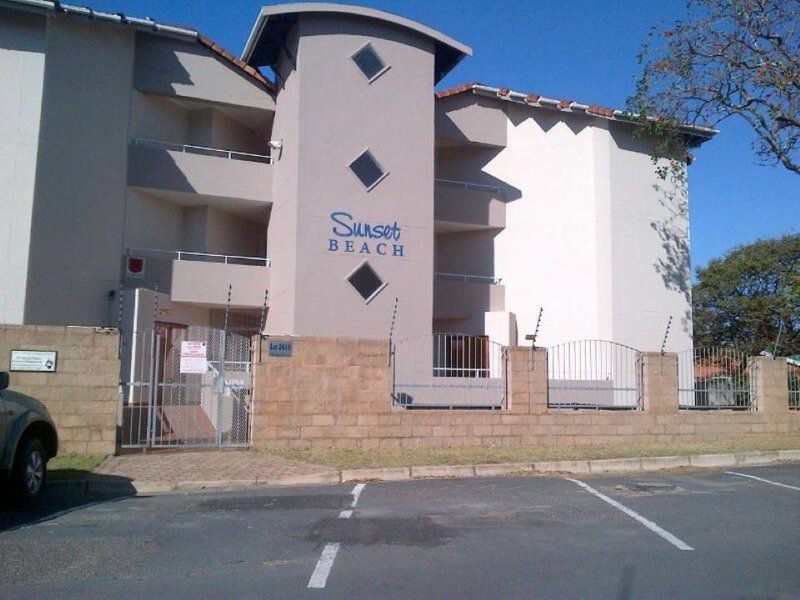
<point x="190" y="386"/>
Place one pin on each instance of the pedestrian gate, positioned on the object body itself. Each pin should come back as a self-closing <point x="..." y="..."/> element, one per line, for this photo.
<point x="449" y="370"/>
<point x="595" y="374"/>
<point x="190" y="386"/>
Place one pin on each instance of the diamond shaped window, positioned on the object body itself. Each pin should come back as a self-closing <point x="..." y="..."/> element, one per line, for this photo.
<point x="368" y="170"/>
<point x="366" y="282"/>
<point x="368" y="61"/>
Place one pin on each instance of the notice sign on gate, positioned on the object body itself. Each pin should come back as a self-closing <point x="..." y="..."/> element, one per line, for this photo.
<point x="194" y="357"/>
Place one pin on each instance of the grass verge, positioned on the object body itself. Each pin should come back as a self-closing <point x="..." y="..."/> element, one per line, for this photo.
<point x="72" y="466"/>
<point x="343" y="458"/>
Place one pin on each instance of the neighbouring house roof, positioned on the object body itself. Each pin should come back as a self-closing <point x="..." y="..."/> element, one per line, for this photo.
<point x="147" y="24"/>
<point x="697" y="134"/>
<point x="274" y="22"/>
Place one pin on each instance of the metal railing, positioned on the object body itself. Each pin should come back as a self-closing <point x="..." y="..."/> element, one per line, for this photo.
<point x="714" y="378"/>
<point x="199" y="256"/>
<point x="594" y="374"/>
<point x="468" y="278"/>
<point x="794" y="387"/>
<point x="466" y="185"/>
<point x="448" y="371"/>
<point x="461" y="355"/>
<point x="204" y="151"/>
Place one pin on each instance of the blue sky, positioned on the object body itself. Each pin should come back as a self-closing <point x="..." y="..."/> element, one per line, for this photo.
<point x="582" y="50"/>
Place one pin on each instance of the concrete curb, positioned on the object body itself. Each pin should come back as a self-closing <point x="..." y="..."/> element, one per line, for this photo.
<point x="575" y="467"/>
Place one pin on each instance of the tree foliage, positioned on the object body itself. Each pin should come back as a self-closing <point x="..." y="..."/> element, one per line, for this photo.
<point x="746" y="298"/>
<point x="727" y="59"/>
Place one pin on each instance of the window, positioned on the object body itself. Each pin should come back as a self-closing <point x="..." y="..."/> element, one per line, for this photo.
<point x="368" y="170"/>
<point x="370" y="64"/>
<point x="366" y="282"/>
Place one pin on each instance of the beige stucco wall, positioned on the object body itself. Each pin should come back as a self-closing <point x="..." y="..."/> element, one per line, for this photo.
<point x="22" y="46"/>
<point x="185" y="69"/>
<point x="82" y="395"/>
<point x="328" y="114"/>
<point x="85" y="211"/>
<point x="77" y="228"/>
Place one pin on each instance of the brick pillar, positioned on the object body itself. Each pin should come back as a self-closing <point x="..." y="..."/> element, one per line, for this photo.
<point x="527" y="380"/>
<point x="770" y="383"/>
<point x="517" y="385"/>
<point x="660" y="382"/>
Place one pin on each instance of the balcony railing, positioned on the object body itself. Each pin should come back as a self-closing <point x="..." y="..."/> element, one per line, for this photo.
<point x="468" y="278"/>
<point x="203" y="151"/>
<point x="466" y="185"/>
<point x="227" y="259"/>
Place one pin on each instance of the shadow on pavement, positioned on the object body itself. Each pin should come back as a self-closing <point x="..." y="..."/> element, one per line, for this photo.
<point x="69" y="491"/>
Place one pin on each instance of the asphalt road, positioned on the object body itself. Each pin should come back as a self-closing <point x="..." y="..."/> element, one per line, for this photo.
<point x="701" y="534"/>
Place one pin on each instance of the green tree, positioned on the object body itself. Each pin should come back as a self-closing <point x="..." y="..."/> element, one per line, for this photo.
<point x="751" y="298"/>
<point x="735" y="59"/>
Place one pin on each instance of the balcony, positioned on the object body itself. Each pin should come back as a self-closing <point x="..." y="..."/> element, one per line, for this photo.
<point x="181" y="172"/>
<point x="457" y="296"/>
<point x="468" y="119"/>
<point x="203" y="279"/>
<point x="464" y="206"/>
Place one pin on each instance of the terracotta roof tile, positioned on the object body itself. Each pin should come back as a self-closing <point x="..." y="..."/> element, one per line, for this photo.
<point x="601" y="111"/>
<point x="464" y="87"/>
<point x="566" y="105"/>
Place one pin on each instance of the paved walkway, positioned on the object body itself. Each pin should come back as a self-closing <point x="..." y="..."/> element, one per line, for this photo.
<point x="163" y="471"/>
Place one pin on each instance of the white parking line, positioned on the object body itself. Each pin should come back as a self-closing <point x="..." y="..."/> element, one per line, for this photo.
<point x="356" y="493"/>
<point x="783" y="485"/>
<point x="681" y="545"/>
<point x="325" y="563"/>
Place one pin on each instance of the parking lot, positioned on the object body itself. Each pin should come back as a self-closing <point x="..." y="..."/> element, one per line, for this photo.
<point x="687" y="534"/>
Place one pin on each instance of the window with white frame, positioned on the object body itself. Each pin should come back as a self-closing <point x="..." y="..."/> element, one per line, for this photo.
<point x="366" y="282"/>
<point x="369" y="62"/>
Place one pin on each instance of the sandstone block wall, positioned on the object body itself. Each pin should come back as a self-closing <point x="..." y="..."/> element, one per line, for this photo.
<point x="336" y="393"/>
<point x="82" y="395"/>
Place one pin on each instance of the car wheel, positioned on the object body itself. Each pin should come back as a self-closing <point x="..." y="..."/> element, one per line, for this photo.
<point x="30" y="471"/>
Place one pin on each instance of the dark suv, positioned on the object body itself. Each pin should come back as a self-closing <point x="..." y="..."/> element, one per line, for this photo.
<point x="28" y="439"/>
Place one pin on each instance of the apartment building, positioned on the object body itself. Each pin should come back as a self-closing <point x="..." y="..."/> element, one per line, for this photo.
<point x="148" y="175"/>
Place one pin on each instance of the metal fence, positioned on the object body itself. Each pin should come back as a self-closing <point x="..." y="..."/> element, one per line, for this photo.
<point x="794" y="387"/>
<point x="595" y="374"/>
<point x="177" y="400"/>
<point x="714" y="378"/>
<point x="449" y="370"/>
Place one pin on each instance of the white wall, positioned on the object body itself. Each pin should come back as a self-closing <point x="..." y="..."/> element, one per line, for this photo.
<point x="547" y="254"/>
<point x="582" y="239"/>
<point x="22" y="39"/>
<point x="649" y="250"/>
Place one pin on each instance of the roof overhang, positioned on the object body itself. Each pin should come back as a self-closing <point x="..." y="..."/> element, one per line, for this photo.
<point x="695" y="134"/>
<point x="274" y="22"/>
